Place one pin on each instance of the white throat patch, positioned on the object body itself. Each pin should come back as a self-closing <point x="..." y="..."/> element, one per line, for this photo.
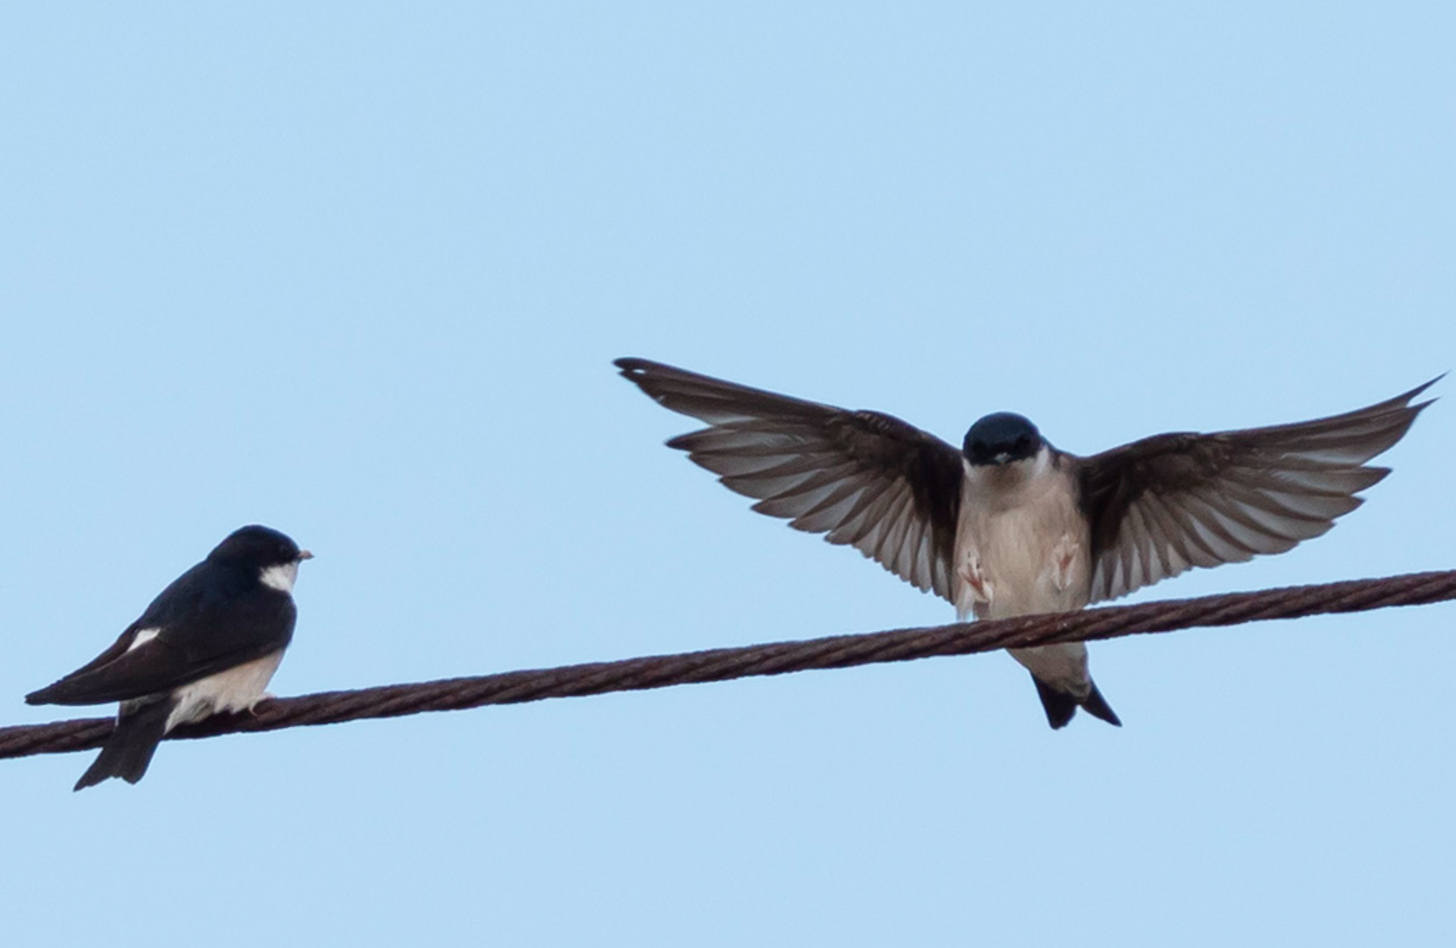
<point x="280" y="577"/>
<point x="1005" y="481"/>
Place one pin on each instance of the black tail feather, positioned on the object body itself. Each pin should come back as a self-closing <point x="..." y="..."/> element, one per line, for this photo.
<point x="129" y="750"/>
<point x="1097" y="706"/>
<point x="1060" y="706"/>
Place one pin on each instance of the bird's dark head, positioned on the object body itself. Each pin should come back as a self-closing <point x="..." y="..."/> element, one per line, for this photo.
<point x="1000" y="439"/>
<point x="259" y="547"/>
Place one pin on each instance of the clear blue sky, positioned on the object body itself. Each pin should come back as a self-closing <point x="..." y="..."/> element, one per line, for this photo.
<point x="358" y="272"/>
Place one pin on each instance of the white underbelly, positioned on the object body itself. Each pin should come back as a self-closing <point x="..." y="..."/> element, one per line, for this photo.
<point x="236" y="689"/>
<point x="1025" y="572"/>
<point x="1030" y="560"/>
<point x="1022" y="548"/>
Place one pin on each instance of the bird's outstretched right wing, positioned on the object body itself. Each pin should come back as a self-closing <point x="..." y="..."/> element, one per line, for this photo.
<point x="858" y="477"/>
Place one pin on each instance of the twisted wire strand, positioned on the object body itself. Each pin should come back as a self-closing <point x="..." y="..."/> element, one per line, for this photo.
<point x="723" y="664"/>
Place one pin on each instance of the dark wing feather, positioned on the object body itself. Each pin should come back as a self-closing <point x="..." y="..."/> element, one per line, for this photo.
<point x="1168" y="503"/>
<point x="209" y="619"/>
<point x="183" y="595"/>
<point x="859" y="477"/>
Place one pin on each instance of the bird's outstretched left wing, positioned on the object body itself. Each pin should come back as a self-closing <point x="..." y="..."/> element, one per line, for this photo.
<point x="1165" y="504"/>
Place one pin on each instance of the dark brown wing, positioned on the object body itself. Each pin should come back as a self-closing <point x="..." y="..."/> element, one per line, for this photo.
<point x="1171" y="502"/>
<point x="859" y="477"/>
<point x="206" y="621"/>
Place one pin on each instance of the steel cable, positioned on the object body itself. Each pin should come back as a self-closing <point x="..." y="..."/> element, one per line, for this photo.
<point x="723" y="664"/>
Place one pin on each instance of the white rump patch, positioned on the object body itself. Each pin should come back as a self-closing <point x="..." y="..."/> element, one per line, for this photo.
<point x="280" y="577"/>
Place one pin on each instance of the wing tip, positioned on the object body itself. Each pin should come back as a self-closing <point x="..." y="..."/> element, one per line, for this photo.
<point x="1419" y="407"/>
<point x="44" y="695"/>
<point x="649" y="375"/>
<point x="1404" y="399"/>
<point x="64" y="692"/>
<point x="1378" y="473"/>
<point x="1421" y="388"/>
<point x="632" y="365"/>
<point x="637" y="371"/>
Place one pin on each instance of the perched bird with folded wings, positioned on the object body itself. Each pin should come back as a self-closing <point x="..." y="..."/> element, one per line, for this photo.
<point x="209" y="643"/>
<point x="1008" y="525"/>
